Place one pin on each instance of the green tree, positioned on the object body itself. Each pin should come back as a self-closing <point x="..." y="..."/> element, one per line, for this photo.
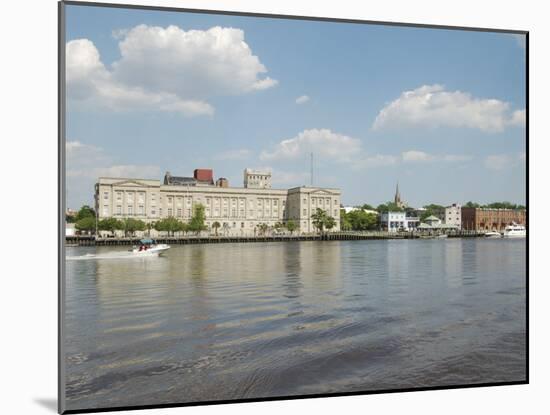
<point x="170" y="225"/>
<point x="86" y="224"/>
<point x="330" y="223"/>
<point x="320" y="219"/>
<point x="504" y="205"/>
<point x="472" y="205"/>
<point x="262" y="228"/>
<point x="85" y="212"/>
<point x="70" y="218"/>
<point x="291" y="226"/>
<point x="367" y="207"/>
<point x="345" y="223"/>
<point x="111" y="225"/>
<point x="197" y="222"/>
<point x="132" y="225"/>
<point x="362" y="221"/>
<point x="216" y="225"/>
<point x="389" y="207"/>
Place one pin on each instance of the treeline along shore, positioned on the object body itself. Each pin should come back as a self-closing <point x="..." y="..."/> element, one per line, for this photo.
<point x="84" y="240"/>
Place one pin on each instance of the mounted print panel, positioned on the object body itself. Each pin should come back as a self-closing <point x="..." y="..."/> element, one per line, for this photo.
<point x="262" y="207"/>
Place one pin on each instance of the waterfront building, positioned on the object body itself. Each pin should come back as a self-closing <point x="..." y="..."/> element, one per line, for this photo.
<point x="257" y="179"/>
<point x="453" y="215"/>
<point x="395" y="221"/>
<point x="488" y="219"/>
<point x="222" y="182"/>
<point x="432" y="221"/>
<point x="238" y="210"/>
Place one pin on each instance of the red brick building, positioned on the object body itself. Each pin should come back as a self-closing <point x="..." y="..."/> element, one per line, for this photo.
<point x="485" y="219"/>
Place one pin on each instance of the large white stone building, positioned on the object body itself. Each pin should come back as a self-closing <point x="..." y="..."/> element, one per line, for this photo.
<point x="238" y="210"/>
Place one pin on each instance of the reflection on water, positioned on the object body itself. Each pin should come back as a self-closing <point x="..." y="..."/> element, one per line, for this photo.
<point x="229" y="321"/>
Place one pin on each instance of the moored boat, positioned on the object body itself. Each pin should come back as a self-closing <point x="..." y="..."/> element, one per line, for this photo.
<point x="515" y="231"/>
<point x="493" y="234"/>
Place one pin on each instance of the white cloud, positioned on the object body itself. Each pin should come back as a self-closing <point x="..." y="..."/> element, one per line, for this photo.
<point x="292" y="179"/>
<point x="302" y="99"/>
<point x="497" y="161"/>
<point x="375" y="160"/>
<point x="165" y="69"/>
<point x="415" y="156"/>
<point x="322" y="142"/>
<point x="240" y="154"/>
<point x="432" y="106"/>
<point x="518" y="118"/>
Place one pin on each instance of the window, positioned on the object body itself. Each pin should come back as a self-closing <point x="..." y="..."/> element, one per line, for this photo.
<point x="305" y="212"/>
<point x="242" y="224"/>
<point x="141" y="197"/>
<point x="179" y="212"/>
<point x="335" y="212"/>
<point x="118" y="196"/>
<point x="130" y="210"/>
<point x="105" y="210"/>
<point x="160" y="211"/>
<point x="106" y="195"/>
<point x="275" y="202"/>
<point x="169" y="199"/>
<point x="305" y="201"/>
<point x="153" y="212"/>
<point x="141" y="209"/>
<point x="153" y="197"/>
<point x="169" y="211"/>
<point x="119" y="210"/>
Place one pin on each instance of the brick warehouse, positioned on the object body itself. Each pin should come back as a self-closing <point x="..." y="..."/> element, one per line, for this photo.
<point x="480" y="219"/>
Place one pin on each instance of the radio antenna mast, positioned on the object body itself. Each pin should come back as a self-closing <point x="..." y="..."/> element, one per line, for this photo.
<point x="311" y="159"/>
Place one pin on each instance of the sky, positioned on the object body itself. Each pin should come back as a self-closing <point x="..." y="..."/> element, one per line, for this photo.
<point x="442" y="112"/>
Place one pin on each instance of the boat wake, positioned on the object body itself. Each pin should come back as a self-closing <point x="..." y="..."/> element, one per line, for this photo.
<point x="114" y="255"/>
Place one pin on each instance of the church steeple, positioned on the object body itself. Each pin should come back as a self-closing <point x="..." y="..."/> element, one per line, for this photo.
<point x="397" y="198"/>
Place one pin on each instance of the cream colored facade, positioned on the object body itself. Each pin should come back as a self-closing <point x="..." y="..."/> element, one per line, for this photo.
<point x="257" y="179"/>
<point x="238" y="210"/>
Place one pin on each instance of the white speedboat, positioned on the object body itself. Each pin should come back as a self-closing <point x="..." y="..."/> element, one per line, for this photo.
<point x="149" y="247"/>
<point x="493" y="234"/>
<point x="515" y="231"/>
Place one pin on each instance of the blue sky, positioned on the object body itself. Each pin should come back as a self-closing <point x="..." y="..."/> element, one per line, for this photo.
<point x="440" y="111"/>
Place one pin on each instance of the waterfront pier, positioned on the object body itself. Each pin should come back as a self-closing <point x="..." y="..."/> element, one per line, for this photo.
<point x="90" y="240"/>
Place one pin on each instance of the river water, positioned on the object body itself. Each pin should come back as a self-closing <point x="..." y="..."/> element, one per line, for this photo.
<point x="232" y="321"/>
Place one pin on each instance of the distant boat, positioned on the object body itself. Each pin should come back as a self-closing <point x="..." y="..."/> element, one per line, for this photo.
<point x="442" y="236"/>
<point x="493" y="234"/>
<point x="515" y="231"/>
